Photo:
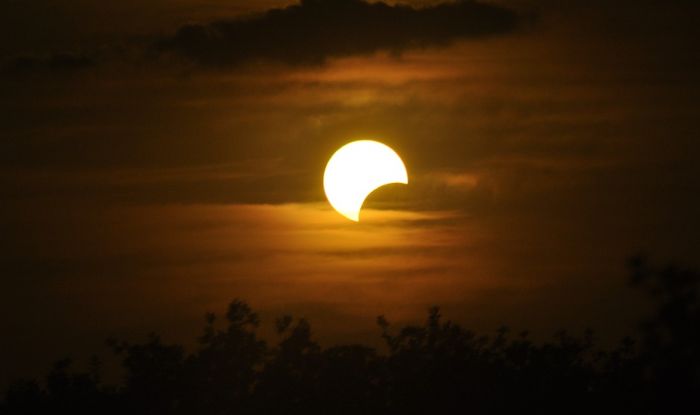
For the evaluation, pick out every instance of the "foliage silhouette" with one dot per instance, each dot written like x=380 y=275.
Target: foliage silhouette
x=431 y=368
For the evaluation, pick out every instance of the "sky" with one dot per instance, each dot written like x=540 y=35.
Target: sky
x=159 y=159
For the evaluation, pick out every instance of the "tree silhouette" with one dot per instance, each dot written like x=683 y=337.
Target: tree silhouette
x=671 y=337
x=436 y=367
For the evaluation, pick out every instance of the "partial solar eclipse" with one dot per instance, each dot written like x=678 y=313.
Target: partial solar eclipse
x=356 y=170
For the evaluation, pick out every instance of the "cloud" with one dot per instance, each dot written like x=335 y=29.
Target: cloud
x=315 y=30
x=57 y=64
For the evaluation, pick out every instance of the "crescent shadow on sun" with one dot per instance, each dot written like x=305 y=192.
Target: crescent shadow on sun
x=377 y=189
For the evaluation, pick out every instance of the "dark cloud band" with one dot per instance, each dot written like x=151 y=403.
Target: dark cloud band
x=64 y=63
x=315 y=30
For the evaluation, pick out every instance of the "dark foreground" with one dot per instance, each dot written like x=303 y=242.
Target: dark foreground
x=438 y=367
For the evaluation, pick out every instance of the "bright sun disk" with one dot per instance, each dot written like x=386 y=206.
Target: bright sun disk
x=356 y=170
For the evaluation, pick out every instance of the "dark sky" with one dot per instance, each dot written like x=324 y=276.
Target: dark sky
x=159 y=159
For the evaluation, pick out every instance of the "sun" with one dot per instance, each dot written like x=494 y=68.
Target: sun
x=356 y=170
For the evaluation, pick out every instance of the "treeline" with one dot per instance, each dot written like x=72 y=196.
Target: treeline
x=437 y=367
